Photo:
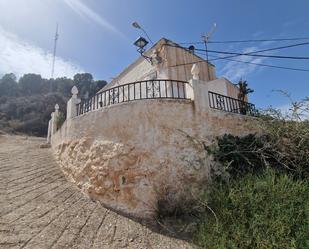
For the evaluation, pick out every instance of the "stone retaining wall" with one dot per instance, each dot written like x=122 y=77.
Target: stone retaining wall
x=131 y=155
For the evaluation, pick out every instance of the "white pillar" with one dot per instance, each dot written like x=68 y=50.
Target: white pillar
x=200 y=90
x=71 y=105
x=49 y=130
x=54 y=118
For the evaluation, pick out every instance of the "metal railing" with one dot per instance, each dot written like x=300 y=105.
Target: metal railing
x=147 y=89
x=228 y=104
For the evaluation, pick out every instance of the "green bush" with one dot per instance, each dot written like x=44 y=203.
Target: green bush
x=239 y=156
x=283 y=146
x=60 y=120
x=265 y=211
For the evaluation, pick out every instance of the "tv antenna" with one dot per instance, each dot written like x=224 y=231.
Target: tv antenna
x=54 y=53
x=206 y=39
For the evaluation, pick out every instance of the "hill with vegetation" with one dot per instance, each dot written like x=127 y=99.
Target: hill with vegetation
x=26 y=103
x=257 y=196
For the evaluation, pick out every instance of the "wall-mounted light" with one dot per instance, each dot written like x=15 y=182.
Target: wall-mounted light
x=141 y=43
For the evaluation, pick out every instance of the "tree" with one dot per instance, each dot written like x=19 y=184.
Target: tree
x=63 y=85
x=30 y=84
x=26 y=106
x=243 y=90
x=99 y=84
x=83 y=81
x=8 y=85
x=242 y=95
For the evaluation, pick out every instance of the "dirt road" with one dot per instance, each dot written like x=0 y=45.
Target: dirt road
x=39 y=209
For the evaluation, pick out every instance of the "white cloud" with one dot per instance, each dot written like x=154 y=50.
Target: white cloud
x=20 y=57
x=235 y=70
x=85 y=12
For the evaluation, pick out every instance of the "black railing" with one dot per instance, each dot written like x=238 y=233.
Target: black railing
x=148 y=89
x=228 y=104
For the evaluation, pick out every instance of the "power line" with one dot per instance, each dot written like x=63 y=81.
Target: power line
x=267 y=65
x=256 y=55
x=244 y=41
x=265 y=50
x=247 y=62
x=258 y=64
x=250 y=53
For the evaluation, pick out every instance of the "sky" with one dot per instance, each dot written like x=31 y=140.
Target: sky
x=97 y=36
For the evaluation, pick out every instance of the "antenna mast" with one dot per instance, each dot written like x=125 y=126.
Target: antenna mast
x=206 y=39
x=54 y=53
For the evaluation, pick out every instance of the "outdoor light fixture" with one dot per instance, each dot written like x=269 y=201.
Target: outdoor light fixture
x=136 y=25
x=141 y=43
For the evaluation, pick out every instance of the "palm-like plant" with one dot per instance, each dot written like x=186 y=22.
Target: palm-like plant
x=242 y=95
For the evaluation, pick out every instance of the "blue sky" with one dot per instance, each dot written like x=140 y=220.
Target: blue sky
x=96 y=36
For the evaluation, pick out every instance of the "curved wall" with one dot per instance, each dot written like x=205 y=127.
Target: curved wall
x=129 y=156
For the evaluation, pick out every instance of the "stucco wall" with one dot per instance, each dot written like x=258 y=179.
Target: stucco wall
x=129 y=155
x=176 y=64
x=224 y=87
x=140 y=70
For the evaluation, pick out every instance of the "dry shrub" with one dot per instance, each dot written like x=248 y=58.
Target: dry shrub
x=288 y=134
x=283 y=146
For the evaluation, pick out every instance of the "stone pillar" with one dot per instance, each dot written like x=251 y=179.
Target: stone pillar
x=71 y=105
x=49 y=130
x=54 y=118
x=200 y=90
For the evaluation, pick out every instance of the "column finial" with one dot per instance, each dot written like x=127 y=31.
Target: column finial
x=74 y=91
x=195 y=71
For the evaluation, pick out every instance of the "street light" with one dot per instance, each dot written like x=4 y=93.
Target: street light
x=137 y=26
x=141 y=43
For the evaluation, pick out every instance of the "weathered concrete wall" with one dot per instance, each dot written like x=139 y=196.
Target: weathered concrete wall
x=224 y=87
x=176 y=64
x=127 y=155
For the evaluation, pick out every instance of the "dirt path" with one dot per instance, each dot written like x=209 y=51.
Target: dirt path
x=39 y=209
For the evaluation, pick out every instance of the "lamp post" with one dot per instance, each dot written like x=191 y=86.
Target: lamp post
x=137 y=26
x=141 y=43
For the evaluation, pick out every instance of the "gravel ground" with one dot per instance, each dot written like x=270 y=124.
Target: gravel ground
x=39 y=209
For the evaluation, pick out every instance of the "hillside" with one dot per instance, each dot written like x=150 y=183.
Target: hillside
x=26 y=104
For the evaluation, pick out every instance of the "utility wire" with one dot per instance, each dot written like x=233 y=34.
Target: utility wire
x=265 y=50
x=247 y=62
x=250 y=53
x=257 y=55
x=266 y=65
x=244 y=41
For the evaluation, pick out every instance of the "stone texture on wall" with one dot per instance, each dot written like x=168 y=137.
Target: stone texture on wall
x=126 y=155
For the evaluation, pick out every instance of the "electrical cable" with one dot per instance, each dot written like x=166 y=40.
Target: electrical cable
x=252 y=40
x=253 y=52
x=247 y=62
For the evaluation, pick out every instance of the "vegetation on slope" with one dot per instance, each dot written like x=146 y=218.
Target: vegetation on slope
x=268 y=210
x=26 y=104
x=259 y=192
